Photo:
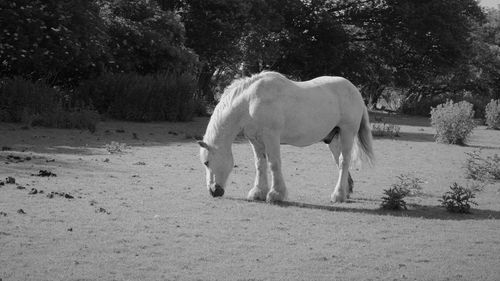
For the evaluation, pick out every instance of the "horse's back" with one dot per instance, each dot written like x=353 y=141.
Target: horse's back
x=304 y=112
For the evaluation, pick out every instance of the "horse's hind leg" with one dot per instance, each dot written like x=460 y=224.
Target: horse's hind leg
x=278 y=189
x=335 y=148
x=344 y=160
x=261 y=188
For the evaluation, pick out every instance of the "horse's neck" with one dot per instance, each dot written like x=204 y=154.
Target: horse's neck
x=225 y=128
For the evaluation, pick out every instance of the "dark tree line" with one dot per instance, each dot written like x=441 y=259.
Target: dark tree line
x=427 y=49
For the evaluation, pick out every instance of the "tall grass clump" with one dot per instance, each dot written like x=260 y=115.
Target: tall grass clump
x=129 y=96
x=453 y=122
x=35 y=103
x=492 y=114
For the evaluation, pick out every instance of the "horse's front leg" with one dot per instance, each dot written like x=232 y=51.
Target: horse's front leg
x=261 y=188
x=278 y=189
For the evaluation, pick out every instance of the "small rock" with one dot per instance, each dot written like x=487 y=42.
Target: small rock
x=10 y=180
x=44 y=173
x=21 y=211
x=70 y=229
x=13 y=157
x=33 y=191
x=102 y=210
x=3 y=214
x=20 y=187
x=50 y=195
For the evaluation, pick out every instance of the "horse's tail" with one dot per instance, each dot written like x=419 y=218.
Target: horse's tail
x=365 y=139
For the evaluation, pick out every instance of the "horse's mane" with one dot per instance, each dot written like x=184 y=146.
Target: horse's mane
x=231 y=92
x=237 y=87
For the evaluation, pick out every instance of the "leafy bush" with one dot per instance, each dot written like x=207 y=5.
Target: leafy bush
x=458 y=200
x=480 y=168
x=382 y=130
x=411 y=184
x=492 y=114
x=129 y=96
x=394 y=199
x=453 y=122
x=67 y=119
x=116 y=147
x=38 y=104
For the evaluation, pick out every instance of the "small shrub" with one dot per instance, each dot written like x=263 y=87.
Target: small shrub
x=394 y=199
x=480 y=168
x=453 y=122
x=116 y=147
x=411 y=184
x=458 y=200
x=492 y=114
x=382 y=130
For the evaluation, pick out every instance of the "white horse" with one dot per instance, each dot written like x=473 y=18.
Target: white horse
x=272 y=110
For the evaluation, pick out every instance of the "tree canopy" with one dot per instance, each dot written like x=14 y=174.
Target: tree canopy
x=427 y=48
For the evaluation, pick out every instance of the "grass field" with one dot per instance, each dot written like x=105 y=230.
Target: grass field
x=140 y=210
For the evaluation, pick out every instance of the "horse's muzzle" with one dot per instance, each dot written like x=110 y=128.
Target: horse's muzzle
x=218 y=192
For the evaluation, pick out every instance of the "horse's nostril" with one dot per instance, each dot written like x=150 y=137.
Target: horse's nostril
x=218 y=192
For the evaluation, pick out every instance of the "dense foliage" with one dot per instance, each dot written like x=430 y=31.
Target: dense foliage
x=51 y=39
x=145 y=39
x=426 y=50
x=492 y=114
x=39 y=104
x=129 y=96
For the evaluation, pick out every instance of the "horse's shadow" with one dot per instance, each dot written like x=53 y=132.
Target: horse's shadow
x=414 y=210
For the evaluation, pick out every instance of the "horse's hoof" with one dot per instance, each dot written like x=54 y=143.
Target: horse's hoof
x=257 y=194
x=275 y=196
x=338 y=198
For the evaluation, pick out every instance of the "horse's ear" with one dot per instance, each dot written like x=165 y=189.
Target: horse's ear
x=204 y=145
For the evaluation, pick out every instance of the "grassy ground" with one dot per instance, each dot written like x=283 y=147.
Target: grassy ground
x=142 y=212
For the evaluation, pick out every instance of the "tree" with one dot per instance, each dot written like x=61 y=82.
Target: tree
x=145 y=39
x=213 y=28
x=51 y=39
x=374 y=43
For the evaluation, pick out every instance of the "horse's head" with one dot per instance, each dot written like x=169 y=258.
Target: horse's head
x=218 y=164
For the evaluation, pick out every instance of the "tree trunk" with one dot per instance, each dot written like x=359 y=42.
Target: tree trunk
x=205 y=83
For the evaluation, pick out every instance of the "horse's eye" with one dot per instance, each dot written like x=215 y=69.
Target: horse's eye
x=206 y=163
